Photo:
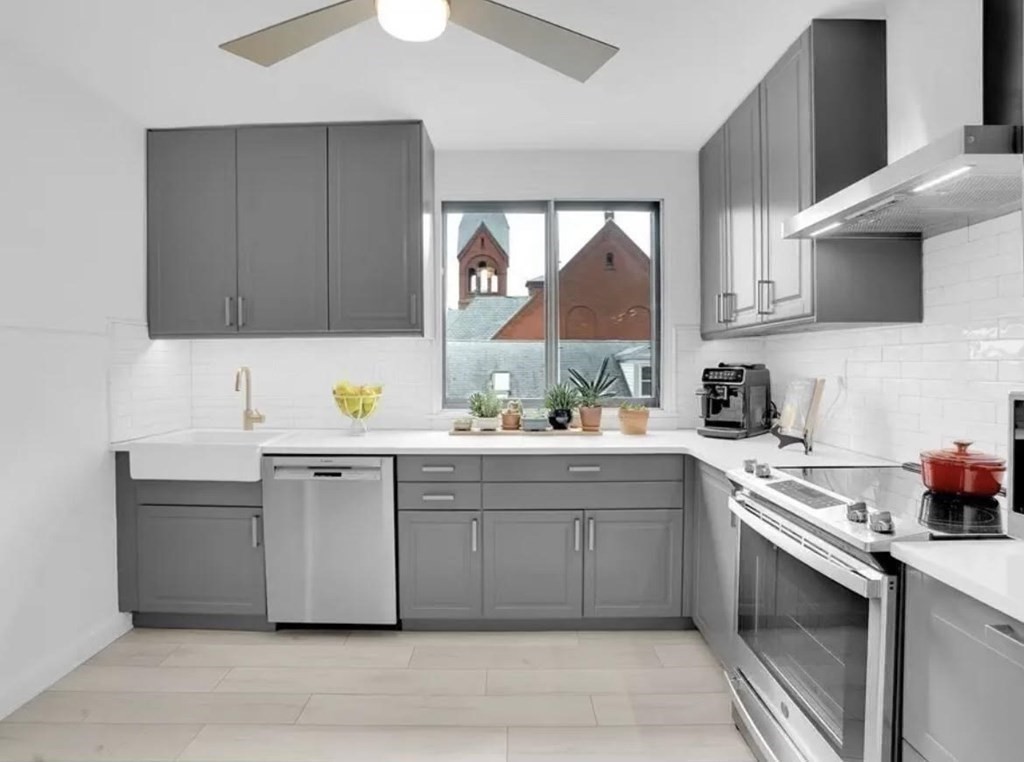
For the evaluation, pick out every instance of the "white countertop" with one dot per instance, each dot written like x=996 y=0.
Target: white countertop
x=992 y=571
x=722 y=454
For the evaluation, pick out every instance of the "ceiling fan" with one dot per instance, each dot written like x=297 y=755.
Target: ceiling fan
x=556 y=47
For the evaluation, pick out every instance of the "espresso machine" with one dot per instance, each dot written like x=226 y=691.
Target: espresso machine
x=735 y=401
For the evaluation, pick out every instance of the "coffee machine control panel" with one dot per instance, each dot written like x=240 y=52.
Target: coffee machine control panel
x=723 y=375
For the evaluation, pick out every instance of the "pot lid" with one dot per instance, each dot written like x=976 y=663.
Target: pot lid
x=959 y=455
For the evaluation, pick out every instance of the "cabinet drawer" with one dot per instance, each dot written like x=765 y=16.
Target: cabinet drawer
x=621 y=495
x=439 y=496
x=582 y=468
x=438 y=468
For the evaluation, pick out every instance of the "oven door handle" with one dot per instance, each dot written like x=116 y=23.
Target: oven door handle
x=864 y=581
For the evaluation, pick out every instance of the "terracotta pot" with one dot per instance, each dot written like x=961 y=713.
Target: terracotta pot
x=959 y=472
x=633 y=421
x=590 y=417
x=510 y=421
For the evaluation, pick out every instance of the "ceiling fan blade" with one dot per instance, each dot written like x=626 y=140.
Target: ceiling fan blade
x=278 y=42
x=564 y=50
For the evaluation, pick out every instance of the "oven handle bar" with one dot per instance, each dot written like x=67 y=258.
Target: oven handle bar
x=864 y=581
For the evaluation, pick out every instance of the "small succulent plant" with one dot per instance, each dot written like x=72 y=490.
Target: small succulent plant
x=485 y=405
x=562 y=396
x=593 y=390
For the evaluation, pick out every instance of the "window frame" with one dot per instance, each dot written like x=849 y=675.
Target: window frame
x=552 y=340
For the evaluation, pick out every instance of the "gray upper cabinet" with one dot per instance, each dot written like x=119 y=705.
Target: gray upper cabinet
x=289 y=230
x=816 y=124
x=440 y=568
x=712 y=232
x=192 y=247
x=963 y=676
x=633 y=563
x=533 y=564
x=200 y=560
x=743 y=212
x=376 y=212
x=714 y=586
x=282 y=230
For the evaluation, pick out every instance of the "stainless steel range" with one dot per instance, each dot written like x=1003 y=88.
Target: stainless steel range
x=819 y=605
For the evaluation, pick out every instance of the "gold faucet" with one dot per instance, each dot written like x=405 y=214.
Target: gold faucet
x=249 y=415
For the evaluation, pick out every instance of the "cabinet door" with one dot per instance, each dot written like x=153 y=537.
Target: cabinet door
x=282 y=230
x=533 y=564
x=439 y=564
x=715 y=563
x=633 y=563
x=375 y=228
x=192 y=252
x=786 y=289
x=201 y=560
x=743 y=183
x=712 y=232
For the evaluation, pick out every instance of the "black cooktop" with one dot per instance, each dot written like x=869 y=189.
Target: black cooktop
x=899 y=489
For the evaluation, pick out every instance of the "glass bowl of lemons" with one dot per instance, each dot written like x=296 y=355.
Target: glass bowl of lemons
x=357 y=402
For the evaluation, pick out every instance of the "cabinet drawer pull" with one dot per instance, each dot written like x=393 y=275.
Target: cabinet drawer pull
x=590 y=534
x=255 y=527
x=577 y=528
x=438 y=498
x=227 y=312
x=1004 y=640
x=584 y=469
x=473 y=540
x=438 y=469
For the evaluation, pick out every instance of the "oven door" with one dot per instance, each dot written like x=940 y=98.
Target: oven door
x=815 y=639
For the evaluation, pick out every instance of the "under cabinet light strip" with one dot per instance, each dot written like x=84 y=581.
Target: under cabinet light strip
x=939 y=180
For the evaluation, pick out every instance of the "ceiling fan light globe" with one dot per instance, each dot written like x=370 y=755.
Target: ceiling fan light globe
x=413 y=20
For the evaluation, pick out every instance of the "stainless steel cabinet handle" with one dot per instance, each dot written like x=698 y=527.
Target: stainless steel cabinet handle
x=438 y=498
x=728 y=307
x=475 y=525
x=227 y=312
x=255 y=526
x=577 y=528
x=241 y=311
x=590 y=534
x=438 y=469
x=718 y=309
x=584 y=469
x=1003 y=639
x=765 y=297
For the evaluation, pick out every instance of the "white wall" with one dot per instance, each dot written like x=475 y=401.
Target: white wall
x=293 y=376
x=898 y=390
x=72 y=255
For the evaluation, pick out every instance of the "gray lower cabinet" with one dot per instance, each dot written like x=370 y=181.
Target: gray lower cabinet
x=963 y=676
x=200 y=560
x=440 y=571
x=191 y=233
x=376 y=227
x=533 y=564
x=633 y=563
x=282 y=230
x=715 y=548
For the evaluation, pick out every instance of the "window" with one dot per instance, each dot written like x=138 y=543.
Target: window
x=534 y=289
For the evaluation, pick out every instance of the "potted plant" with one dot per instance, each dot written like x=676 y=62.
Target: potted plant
x=485 y=407
x=561 y=400
x=463 y=423
x=633 y=418
x=592 y=391
x=512 y=415
x=535 y=420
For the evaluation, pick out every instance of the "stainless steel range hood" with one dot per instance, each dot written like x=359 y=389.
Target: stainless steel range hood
x=971 y=175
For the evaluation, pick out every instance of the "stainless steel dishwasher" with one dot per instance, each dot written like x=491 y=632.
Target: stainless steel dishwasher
x=329 y=530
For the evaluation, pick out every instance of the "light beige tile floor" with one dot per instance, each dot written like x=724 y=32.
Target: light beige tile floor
x=397 y=697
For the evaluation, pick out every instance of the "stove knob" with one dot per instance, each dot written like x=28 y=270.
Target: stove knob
x=750 y=466
x=763 y=470
x=857 y=513
x=882 y=523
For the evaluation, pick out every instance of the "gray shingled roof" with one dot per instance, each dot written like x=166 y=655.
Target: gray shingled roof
x=496 y=223
x=483 y=317
x=470 y=364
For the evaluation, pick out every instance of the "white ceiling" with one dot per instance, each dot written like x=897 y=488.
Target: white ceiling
x=684 y=65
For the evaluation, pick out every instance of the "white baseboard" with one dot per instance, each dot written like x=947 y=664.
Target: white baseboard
x=36 y=678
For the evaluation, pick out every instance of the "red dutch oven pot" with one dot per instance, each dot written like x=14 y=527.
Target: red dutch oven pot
x=959 y=472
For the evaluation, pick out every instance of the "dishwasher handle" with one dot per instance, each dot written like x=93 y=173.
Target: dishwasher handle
x=327 y=473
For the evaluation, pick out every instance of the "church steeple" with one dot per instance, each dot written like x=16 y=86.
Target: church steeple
x=483 y=257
